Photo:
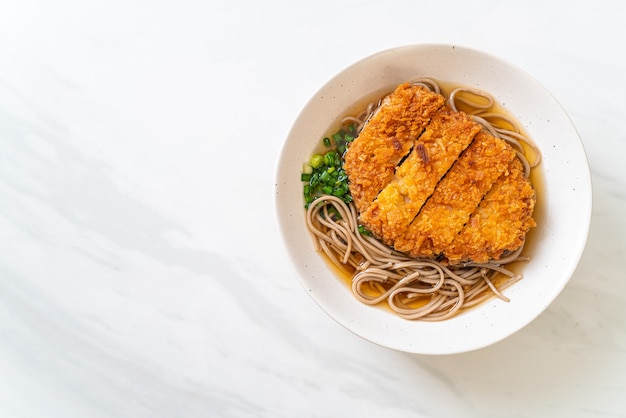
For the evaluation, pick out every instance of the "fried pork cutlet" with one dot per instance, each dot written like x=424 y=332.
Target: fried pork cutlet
x=456 y=196
x=436 y=150
x=427 y=181
x=386 y=139
x=500 y=222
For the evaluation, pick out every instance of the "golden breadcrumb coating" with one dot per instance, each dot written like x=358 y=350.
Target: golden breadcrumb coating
x=427 y=181
x=456 y=196
x=445 y=137
x=500 y=222
x=386 y=139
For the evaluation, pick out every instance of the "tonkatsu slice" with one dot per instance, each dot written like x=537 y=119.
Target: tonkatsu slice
x=386 y=139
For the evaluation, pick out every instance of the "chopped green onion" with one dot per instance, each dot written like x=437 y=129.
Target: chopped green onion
x=329 y=158
x=315 y=179
x=364 y=231
x=317 y=160
x=324 y=174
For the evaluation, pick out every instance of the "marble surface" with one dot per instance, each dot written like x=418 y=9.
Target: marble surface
x=141 y=269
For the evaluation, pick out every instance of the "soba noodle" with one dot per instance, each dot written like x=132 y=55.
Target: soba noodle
x=416 y=288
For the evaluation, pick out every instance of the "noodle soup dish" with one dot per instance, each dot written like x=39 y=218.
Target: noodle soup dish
x=423 y=206
x=417 y=194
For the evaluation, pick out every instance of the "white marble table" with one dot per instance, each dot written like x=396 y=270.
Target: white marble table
x=141 y=269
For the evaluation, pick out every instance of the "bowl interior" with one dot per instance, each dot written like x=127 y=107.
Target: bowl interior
x=563 y=208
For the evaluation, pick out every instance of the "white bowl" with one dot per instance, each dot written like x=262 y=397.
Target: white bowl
x=563 y=210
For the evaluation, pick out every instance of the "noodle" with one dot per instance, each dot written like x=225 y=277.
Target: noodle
x=416 y=288
x=413 y=289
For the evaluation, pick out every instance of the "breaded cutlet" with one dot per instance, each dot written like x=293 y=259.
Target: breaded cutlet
x=428 y=182
x=436 y=150
x=386 y=139
x=500 y=222
x=456 y=196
